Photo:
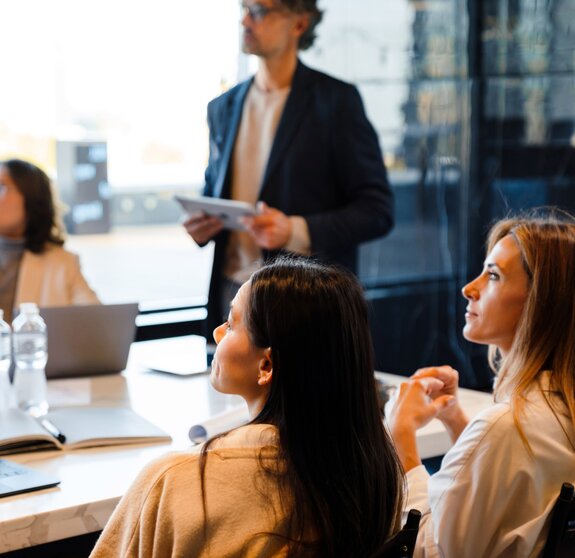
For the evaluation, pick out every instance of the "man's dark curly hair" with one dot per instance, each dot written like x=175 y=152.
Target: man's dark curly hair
x=315 y=15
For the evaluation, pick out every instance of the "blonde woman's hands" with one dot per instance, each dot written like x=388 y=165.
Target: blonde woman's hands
x=448 y=380
x=412 y=409
x=452 y=415
x=417 y=402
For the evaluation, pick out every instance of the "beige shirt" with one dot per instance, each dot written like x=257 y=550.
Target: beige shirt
x=161 y=516
x=260 y=118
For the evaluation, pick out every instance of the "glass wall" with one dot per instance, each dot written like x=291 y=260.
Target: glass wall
x=473 y=104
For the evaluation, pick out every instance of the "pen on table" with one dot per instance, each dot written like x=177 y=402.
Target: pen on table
x=51 y=429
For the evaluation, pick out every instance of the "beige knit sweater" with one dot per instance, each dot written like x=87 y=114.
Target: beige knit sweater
x=161 y=515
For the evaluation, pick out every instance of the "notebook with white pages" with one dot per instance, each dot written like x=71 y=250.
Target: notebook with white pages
x=69 y=428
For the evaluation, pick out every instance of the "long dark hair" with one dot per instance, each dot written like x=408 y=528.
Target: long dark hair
x=42 y=221
x=342 y=473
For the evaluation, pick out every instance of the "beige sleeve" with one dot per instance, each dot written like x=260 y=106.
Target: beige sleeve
x=80 y=291
x=138 y=528
x=120 y=537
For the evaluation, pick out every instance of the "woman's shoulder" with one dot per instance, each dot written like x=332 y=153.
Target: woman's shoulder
x=247 y=440
x=497 y=424
x=490 y=426
x=54 y=252
x=172 y=460
x=248 y=445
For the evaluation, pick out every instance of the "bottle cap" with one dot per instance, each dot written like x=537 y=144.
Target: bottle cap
x=28 y=307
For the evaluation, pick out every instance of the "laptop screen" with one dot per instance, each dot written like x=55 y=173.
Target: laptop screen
x=88 y=340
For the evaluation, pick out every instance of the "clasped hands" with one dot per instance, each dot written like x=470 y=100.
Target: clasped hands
x=271 y=229
x=430 y=393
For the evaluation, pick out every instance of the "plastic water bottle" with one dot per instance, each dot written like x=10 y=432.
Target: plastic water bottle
x=30 y=342
x=6 y=393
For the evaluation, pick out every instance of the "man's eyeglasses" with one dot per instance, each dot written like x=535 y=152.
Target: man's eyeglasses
x=258 y=12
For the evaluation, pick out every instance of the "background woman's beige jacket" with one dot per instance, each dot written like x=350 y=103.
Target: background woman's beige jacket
x=52 y=278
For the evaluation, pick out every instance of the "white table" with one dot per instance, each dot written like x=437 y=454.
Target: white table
x=93 y=480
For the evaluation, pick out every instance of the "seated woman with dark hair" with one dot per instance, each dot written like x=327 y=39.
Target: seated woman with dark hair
x=497 y=485
x=314 y=473
x=34 y=267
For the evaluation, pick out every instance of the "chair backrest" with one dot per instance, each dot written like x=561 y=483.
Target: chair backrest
x=402 y=544
x=561 y=539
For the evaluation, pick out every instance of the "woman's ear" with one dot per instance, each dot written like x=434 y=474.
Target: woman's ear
x=265 y=370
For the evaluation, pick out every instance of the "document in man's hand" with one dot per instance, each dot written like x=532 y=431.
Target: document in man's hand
x=75 y=427
x=228 y=211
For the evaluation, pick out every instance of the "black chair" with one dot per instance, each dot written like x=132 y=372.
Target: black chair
x=402 y=544
x=561 y=539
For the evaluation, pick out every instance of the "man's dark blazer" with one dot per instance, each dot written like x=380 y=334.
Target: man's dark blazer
x=325 y=165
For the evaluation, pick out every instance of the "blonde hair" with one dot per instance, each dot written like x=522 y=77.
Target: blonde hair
x=545 y=335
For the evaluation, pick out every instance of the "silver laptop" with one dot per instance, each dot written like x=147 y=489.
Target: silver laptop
x=89 y=340
x=15 y=479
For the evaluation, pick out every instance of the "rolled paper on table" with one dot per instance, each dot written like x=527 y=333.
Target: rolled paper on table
x=238 y=416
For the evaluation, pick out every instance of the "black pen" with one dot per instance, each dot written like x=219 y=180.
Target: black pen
x=51 y=429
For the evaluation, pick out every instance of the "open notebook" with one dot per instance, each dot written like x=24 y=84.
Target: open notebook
x=75 y=427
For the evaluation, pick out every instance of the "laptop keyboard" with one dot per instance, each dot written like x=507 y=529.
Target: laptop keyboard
x=8 y=469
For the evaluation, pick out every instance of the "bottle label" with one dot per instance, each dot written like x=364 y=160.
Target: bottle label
x=30 y=350
x=5 y=347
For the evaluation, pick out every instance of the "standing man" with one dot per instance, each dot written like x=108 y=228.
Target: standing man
x=298 y=143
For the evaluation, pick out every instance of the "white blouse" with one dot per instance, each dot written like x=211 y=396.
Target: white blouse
x=491 y=498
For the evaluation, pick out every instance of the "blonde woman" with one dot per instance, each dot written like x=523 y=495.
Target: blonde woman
x=497 y=485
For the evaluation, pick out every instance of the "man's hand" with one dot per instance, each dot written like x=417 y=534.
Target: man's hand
x=271 y=229
x=202 y=228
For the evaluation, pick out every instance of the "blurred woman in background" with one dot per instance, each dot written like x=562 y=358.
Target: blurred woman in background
x=34 y=266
